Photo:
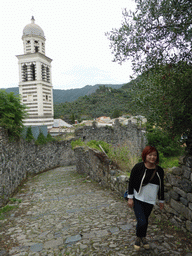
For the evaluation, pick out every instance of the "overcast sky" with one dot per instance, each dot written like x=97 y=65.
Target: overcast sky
x=75 y=40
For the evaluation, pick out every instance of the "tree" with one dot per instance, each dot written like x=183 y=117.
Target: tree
x=158 y=32
x=11 y=113
x=157 y=38
x=164 y=96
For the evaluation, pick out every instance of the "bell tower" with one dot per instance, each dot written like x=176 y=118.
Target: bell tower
x=35 y=83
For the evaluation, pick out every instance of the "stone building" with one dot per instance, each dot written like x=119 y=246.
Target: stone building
x=35 y=82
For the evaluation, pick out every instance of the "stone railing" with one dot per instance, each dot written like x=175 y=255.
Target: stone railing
x=18 y=159
x=178 y=184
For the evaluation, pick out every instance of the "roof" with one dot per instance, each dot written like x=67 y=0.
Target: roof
x=33 y=29
x=60 y=123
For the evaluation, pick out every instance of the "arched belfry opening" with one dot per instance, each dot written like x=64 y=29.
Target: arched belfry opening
x=35 y=83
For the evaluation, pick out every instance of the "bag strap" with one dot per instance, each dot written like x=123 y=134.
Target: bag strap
x=152 y=176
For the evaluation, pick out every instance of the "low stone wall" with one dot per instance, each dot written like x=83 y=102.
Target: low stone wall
x=130 y=135
x=99 y=168
x=178 y=194
x=18 y=159
x=178 y=184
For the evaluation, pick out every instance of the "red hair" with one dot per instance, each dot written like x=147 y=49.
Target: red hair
x=147 y=150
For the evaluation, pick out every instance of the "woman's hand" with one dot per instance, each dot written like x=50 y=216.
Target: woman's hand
x=130 y=202
x=161 y=205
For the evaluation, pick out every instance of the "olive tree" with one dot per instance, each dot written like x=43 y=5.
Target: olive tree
x=157 y=38
x=157 y=32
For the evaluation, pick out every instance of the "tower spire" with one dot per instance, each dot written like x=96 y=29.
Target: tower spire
x=32 y=19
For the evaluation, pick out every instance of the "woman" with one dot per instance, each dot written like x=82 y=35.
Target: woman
x=146 y=182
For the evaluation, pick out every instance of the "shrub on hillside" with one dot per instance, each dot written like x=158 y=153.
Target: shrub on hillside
x=163 y=142
x=41 y=139
x=29 y=135
x=12 y=112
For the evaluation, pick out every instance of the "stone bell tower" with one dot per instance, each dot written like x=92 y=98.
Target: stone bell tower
x=35 y=85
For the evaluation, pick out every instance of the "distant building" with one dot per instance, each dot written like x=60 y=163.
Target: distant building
x=35 y=82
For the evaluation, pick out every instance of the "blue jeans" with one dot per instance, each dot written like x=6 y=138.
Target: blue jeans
x=142 y=211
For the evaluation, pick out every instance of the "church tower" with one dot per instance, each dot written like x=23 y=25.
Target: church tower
x=35 y=85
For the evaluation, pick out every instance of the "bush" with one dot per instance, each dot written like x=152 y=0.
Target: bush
x=95 y=144
x=163 y=142
x=41 y=139
x=29 y=135
x=49 y=138
x=77 y=143
x=12 y=112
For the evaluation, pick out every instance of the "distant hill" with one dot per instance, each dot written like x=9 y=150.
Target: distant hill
x=70 y=95
x=104 y=101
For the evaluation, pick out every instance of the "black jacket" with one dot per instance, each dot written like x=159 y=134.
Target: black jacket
x=137 y=176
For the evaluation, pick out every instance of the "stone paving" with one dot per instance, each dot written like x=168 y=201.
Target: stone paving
x=64 y=213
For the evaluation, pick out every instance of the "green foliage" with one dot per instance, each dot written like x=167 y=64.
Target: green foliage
x=96 y=144
x=41 y=139
x=77 y=143
x=164 y=96
x=29 y=135
x=158 y=31
x=11 y=114
x=49 y=138
x=116 y=113
x=6 y=209
x=164 y=143
x=15 y=200
x=169 y=162
x=104 y=102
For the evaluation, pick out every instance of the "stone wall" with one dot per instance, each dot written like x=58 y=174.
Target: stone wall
x=118 y=134
x=178 y=194
x=178 y=184
x=18 y=159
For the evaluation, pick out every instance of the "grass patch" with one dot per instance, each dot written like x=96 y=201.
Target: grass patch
x=6 y=209
x=170 y=162
x=15 y=200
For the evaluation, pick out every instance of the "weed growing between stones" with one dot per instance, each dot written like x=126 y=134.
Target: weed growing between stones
x=6 y=209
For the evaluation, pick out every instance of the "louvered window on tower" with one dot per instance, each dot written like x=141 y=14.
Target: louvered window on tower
x=24 y=73
x=33 y=72
x=43 y=72
x=48 y=74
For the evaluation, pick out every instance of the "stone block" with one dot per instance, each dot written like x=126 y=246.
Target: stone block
x=180 y=192
x=189 y=225
x=172 y=179
x=167 y=197
x=185 y=185
x=167 y=187
x=181 y=209
x=184 y=201
x=112 y=172
x=188 y=161
x=170 y=209
x=122 y=179
x=176 y=205
x=190 y=206
x=187 y=174
x=186 y=168
x=176 y=171
x=189 y=197
x=174 y=195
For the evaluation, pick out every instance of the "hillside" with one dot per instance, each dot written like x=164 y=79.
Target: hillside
x=103 y=102
x=61 y=96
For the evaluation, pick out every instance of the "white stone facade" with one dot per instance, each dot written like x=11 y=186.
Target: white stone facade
x=35 y=81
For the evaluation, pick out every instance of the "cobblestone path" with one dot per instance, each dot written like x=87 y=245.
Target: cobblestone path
x=63 y=213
